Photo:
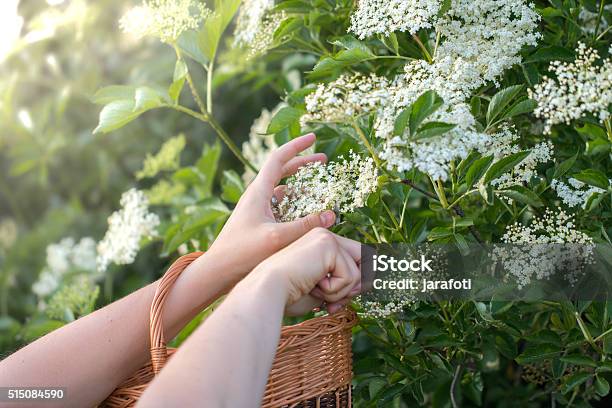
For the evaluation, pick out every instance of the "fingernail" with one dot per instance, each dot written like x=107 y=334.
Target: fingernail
x=327 y=218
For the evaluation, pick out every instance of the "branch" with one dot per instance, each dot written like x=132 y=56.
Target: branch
x=454 y=384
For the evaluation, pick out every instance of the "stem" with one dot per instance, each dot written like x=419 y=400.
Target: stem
x=423 y=48
x=230 y=143
x=209 y=78
x=602 y=3
x=366 y=143
x=192 y=88
x=454 y=384
x=608 y=129
x=219 y=130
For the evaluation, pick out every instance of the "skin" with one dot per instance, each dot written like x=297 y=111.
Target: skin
x=92 y=355
x=217 y=366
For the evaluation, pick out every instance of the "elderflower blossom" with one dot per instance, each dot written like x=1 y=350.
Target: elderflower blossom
x=256 y=24
x=387 y=16
x=346 y=97
x=588 y=20
x=548 y=246
x=257 y=149
x=126 y=228
x=166 y=159
x=581 y=87
x=164 y=19
x=343 y=186
x=575 y=192
x=74 y=300
x=526 y=169
x=62 y=258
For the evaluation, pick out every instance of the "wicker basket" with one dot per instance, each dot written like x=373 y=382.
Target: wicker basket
x=312 y=367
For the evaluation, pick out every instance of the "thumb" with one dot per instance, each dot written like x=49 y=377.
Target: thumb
x=293 y=230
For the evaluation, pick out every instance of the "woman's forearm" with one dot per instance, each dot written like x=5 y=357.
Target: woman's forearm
x=89 y=357
x=226 y=362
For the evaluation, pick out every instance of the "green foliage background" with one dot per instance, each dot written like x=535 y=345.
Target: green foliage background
x=59 y=179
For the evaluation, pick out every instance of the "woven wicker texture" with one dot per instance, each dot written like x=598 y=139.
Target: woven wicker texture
x=312 y=367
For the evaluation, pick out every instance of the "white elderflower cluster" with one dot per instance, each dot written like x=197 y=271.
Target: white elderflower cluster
x=580 y=87
x=126 y=228
x=575 y=192
x=387 y=16
x=488 y=33
x=256 y=24
x=164 y=19
x=63 y=258
x=346 y=97
x=588 y=20
x=479 y=40
x=342 y=186
x=548 y=246
x=260 y=144
x=526 y=169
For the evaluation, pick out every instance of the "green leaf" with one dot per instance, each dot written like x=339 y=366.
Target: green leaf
x=147 y=98
x=550 y=53
x=593 y=177
x=283 y=119
x=113 y=93
x=432 y=129
x=573 y=381
x=522 y=195
x=231 y=186
x=477 y=169
x=390 y=393
x=178 y=80
x=214 y=26
x=425 y=105
x=538 y=352
x=354 y=55
x=579 y=359
x=116 y=115
x=210 y=210
x=401 y=122
x=520 y=108
x=564 y=166
x=501 y=100
x=602 y=387
x=207 y=165
x=504 y=165
x=188 y=44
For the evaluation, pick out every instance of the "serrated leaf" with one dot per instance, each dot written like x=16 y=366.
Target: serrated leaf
x=538 y=352
x=477 y=169
x=551 y=53
x=425 y=105
x=504 y=165
x=573 y=381
x=210 y=210
x=146 y=98
x=432 y=129
x=113 y=93
x=564 y=166
x=593 y=177
x=178 y=80
x=522 y=195
x=579 y=359
x=283 y=119
x=501 y=100
x=401 y=122
x=520 y=108
x=231 y=186
x=116 y=115
x=188 y=44
x=602 y=387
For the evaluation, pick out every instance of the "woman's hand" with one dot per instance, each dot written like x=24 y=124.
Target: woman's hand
x=319 y=263
x=252 y=234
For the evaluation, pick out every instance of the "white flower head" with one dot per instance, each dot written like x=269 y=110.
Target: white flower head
x=387 y=16
x=256 y=24
x=574 y=193
x=164 y=19
x=343 y=186
x=126 y=228
x=581 y=87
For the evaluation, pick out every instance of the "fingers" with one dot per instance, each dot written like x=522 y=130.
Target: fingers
x=352 y=247
x=300 y=161
x=273 y=169
x=292 y=230
x=344 y=277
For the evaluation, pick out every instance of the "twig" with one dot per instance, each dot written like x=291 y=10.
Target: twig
x=454 y=384
x=456 y=208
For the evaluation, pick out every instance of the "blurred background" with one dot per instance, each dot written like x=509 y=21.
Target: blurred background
x=57 y=179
